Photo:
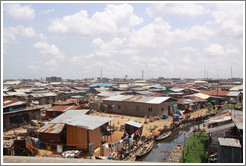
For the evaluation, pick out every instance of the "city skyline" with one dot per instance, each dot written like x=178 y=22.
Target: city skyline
x=90 y=40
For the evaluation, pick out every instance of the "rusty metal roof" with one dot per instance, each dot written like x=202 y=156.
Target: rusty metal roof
x=52 y=128
x=231 y=142
x=13 y=102
x=221 y=127
x=237 y=117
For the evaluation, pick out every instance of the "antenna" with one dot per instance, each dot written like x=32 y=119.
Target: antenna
x=101 y=74
x=231 y=71
x=142 y=74
x=207 y=74
x=205 y=71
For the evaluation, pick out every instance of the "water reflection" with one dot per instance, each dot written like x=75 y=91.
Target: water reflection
x=162 y=149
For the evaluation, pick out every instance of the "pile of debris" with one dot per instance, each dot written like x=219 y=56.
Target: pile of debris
x=8 y=147
x=71 y=154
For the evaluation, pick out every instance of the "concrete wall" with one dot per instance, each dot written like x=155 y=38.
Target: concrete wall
x=139 y=109
x=20 y=118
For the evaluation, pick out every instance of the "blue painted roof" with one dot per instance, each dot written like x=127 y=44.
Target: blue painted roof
x=101 y=84
x=158 y=87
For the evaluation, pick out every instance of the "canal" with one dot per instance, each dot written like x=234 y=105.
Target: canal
x=163 y=148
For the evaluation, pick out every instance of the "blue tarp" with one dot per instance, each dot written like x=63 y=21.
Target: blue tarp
x=101 y=84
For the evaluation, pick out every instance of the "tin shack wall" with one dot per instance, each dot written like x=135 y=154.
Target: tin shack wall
x=77 y=137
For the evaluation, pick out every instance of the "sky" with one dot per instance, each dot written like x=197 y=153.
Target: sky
x=79 y=40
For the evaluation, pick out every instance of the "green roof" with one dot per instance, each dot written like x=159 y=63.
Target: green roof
x=168 y=91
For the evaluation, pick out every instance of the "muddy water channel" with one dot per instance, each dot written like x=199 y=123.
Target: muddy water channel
x=163 y=148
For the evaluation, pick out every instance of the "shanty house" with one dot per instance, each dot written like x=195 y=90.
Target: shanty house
x=52 y=133
x=57 y=110
x=138 y=105
x=235 y=96
x=230 y=151
x=80 y=129
x=15 y=114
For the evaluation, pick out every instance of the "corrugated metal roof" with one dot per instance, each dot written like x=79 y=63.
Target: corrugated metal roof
x=13 y=102
x=237 y=88
x=137 y=99
x=158 y=100
x=231 y=142
x=233 y=94
x=158 y=87
x=63 y=108
x=135 y=124
x=52 y=128
x=118 y=98
x=200 y=95
x=108 y=93
x=16 y=94
x=221 y=127
x=177 y=89
x=237 y=117
x=78 y=118
x=4 y=94
x=101 y=84
x=49 y=94
x=215 y=93
x=221 y=118
x=37 y=95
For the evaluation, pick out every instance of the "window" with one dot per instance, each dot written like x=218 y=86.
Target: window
x=118 y=107
x=162 y=109
x=150 y=109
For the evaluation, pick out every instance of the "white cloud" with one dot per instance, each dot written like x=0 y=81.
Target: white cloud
x=10 y=33
x=215 y=49
x=18 y=11
x=49 y=49
x=114 y=19
x=229 y=18
x=117 y=46
x=187 y=49
x=33 y=68
x=150 y=61
x=185 y=9
x=48 y=11
x=220 y=51
x=157 y=34
x=194 y=33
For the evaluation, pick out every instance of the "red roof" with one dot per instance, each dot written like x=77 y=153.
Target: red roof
x=13 y=102
x=63 y=108
x=215 y=93
x=67 y=102
x=51 y=128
